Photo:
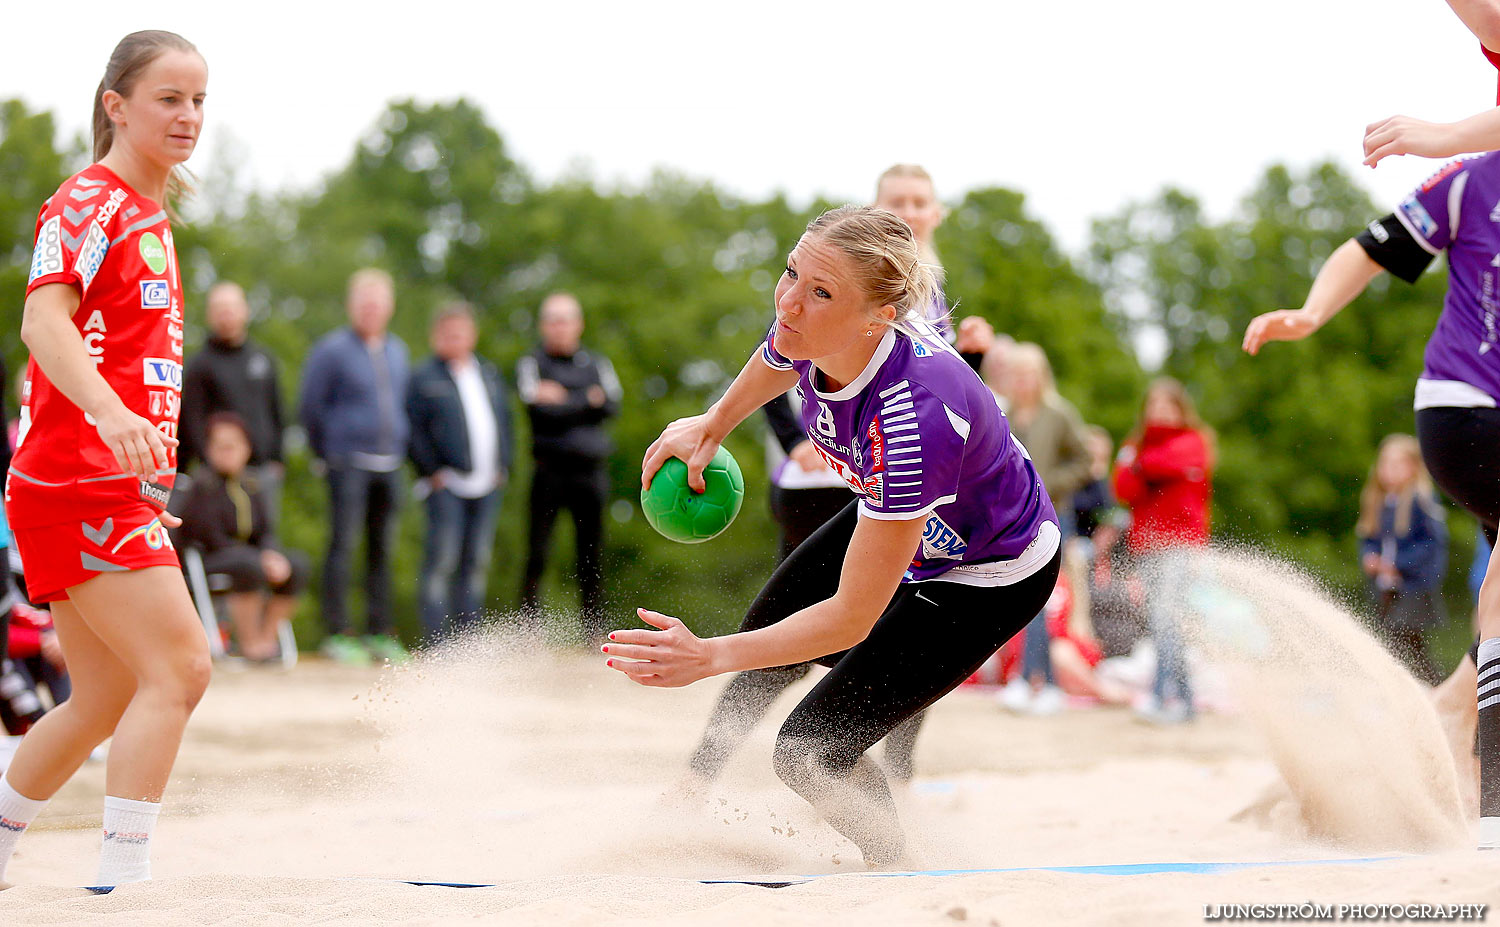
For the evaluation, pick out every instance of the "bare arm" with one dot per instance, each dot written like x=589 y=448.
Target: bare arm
x=57 y=347
x=1342 y=277
x=695 y=439
x=879 y=553
x=1400 y=135
x=1481 y=17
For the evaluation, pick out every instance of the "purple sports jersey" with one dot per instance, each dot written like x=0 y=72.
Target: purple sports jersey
x=917 y=435
x=1458 y=210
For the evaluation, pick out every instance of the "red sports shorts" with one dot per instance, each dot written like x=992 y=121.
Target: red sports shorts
x=58 y=557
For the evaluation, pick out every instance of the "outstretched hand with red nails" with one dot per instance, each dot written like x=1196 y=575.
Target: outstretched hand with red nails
x=670 y=657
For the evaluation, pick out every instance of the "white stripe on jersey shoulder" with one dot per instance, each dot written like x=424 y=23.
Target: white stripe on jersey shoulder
x=1456 y=202
x=923 y=330
x=959 y=425
x=894 y=388
x=765 y=355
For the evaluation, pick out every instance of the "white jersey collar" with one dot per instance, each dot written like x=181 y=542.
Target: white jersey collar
x=877 y=360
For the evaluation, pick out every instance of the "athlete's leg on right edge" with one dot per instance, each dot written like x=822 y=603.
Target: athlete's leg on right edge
x=1489 y=705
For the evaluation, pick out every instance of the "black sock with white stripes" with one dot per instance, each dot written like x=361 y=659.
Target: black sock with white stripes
x=1489 y=743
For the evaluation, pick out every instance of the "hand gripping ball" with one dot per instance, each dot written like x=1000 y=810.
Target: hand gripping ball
x=675 y=510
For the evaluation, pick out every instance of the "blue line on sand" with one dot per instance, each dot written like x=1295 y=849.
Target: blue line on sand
x=1120 y=869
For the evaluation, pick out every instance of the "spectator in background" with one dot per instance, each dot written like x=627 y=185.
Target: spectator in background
x=1093 y=501
x=229 y=521
x=352 y=405
x=1403 y=538
x=908 y=191
x=461 y=445
x=1050 y=429
x=569 y=394
x=231 y=373
x=1164 y=475
x=994 y=364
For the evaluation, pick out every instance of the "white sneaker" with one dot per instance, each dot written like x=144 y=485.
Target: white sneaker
x=1016 y=696
x=1173 y=712
x=1489 y=833
x=1049 y=700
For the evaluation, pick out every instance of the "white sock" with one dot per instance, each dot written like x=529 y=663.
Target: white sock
x=126 y=854
x=16 y=814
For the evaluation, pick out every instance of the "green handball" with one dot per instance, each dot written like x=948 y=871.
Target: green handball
x=675 y=510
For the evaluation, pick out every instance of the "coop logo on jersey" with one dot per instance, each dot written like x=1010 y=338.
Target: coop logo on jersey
x=160 y=371
x=155 y=294
x=48 y=256
x=1420 y=219
x=153 y=252
x=91 y=255
x=940 y=542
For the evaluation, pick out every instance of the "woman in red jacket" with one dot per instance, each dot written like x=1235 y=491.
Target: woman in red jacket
x=1163 y=474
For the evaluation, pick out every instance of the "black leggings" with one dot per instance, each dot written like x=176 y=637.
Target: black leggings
x=749 y=695
x=931 y=637
x=1461 y=448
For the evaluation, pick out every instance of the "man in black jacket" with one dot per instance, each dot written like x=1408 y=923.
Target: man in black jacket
x=569 y=393
x=234 y=374
x=461 y=444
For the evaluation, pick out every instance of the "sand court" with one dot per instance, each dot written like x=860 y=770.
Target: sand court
x=306 y=796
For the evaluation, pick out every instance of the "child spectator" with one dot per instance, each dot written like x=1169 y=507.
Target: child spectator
x=1164 y=475
x=1404 y=550
x=231 y=525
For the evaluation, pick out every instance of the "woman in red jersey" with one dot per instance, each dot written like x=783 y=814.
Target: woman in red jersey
x=87 y=490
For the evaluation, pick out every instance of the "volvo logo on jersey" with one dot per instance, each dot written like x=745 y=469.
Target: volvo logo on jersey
x=940 y=542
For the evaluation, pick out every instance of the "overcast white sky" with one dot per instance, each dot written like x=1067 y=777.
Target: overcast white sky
x=1082 y=105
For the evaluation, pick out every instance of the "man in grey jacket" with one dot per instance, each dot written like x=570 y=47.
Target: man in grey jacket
x=353 y=407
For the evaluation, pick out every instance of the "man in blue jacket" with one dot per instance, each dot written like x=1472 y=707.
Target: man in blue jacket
x=461 y=445
x=352 y=405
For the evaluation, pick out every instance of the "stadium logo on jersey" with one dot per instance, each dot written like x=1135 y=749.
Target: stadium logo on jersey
x=155 y=294
x=825 y=420
x=91 y=255
x=48 y=256
x=1420 y=219
x=153 y=252
x=940 y=542
x=160 y=371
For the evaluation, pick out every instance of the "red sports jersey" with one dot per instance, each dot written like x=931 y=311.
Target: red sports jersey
x=114 y=246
